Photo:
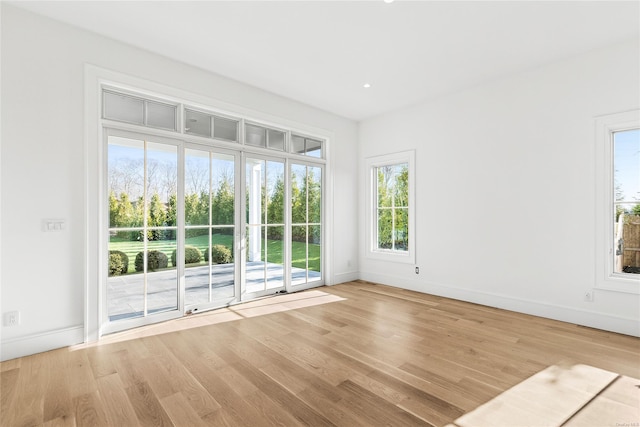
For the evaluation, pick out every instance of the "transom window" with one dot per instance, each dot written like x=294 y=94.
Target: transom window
x=136 y=109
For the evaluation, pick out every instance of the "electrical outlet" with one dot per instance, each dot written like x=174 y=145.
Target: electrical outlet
x=417 y=270
x=12 y=318
x=588 y=296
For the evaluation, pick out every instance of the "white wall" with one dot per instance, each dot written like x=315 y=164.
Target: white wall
x=506 y=190
x=42 y=169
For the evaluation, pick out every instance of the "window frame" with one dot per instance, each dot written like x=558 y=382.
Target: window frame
x=606 y=276
x=371 y=250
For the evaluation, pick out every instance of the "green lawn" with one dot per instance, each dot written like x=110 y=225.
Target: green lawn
x=274 y=249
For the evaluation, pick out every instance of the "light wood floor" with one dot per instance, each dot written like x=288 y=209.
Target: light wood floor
x=352 y=354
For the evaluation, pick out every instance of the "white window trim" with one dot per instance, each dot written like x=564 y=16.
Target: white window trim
x=606 y=277
x=371 y=164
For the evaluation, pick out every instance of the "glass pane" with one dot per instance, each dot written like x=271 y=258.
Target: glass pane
x=126 y=182
x=162 y=277
x=385 y=186
x=222 y=263
x=197 y=288
x=275 y=193
x=298 y=254
x=297 y=144
x=275 y=256
x=225 y=129
x=223 y=191
x=255 y=268
x=161 y=115
x=385 y=228
x=626 y=166
x=626 y=161
x=627 y=238
x=276 y=139
x=197 y=123
x=401 y=185
x=401 y=230
x=314 y=192
x=315 y=251
x=254 y=135
x=123 y=108
x=162 y=184
x=255 y=178
x=314 y=148
x=125 y=285
x=298 y=194
x=196 y=187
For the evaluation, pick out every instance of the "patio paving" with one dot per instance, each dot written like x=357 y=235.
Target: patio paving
x=125 y=293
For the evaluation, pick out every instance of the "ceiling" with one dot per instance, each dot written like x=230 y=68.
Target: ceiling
x=321 y=53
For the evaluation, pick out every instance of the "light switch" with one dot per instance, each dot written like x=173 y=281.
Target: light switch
x=53 y=224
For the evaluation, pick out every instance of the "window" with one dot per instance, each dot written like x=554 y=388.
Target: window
x=618 y=198
x=210 y=126
x=131 y=109
x=259 y=136
x=626 y=201
x=391 y=219
x=306 y=146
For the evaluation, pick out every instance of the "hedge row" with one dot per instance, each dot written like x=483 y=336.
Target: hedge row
x=157 y=260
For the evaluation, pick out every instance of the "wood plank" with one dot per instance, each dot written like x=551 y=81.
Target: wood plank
x=115 y=401
x=180 y=411
x=146 y=405
x=57 y=403
x=89 y=410
x=548 y=398
x=618 y=405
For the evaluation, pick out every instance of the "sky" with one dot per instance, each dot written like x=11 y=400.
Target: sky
x=626 y=163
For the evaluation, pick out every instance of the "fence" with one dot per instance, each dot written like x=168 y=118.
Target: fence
x=628 y=243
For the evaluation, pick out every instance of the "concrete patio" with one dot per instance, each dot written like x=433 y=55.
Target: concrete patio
x=125 y=293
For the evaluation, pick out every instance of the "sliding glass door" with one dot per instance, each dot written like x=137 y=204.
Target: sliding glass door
x=143 y=216
x=265 y=227
x=210 y=218
x=306 y=224
x=192 y=226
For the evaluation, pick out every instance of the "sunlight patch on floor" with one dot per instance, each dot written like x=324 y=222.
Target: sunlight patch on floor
x=260 y=307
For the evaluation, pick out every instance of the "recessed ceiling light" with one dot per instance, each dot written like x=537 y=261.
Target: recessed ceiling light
x=366 y=85
x=388 y=1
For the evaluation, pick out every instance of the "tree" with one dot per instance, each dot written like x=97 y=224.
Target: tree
x=191 y=202
x=113 y=209
x=298 y=210
x=275 y=209
x=222 y=209
x=157 y=217
x=172 y=215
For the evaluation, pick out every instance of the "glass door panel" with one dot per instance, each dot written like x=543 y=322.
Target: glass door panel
x=306 y=224
x=264 y=216
x=209 y=204
x=142 y=185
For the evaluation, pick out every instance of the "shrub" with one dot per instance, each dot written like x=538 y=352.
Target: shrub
x=220 y=254
x=192 y=255
x=118 y=263
x=155 y=260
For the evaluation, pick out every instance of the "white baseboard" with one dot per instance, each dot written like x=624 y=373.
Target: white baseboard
x=345 y=277
x=607 y=322
x=38 y=343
